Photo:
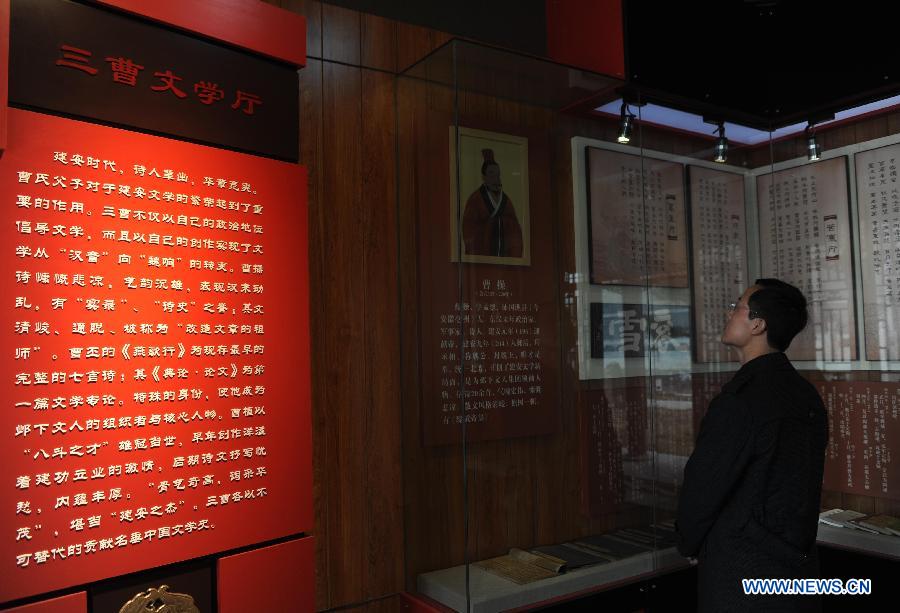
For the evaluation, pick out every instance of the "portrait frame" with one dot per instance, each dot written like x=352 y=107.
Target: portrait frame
x=511 y=154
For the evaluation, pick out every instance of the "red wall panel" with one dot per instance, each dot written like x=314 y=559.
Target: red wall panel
x=587 y=34
x=276 y=578
x=156 y=352
x=72 y=603
x=4 y=69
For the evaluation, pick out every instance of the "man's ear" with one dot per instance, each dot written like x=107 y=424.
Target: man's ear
x=759 y=326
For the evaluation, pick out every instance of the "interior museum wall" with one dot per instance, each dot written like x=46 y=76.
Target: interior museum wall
x=347 y=139
x=373 y=481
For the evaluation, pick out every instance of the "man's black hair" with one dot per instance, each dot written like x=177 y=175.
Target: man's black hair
x=783 y=307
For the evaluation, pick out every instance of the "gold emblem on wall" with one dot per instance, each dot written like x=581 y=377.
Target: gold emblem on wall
x=160 y=600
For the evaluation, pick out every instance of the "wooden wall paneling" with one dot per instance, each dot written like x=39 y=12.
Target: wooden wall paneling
x=503 y=506
x=893 y=122
x=378 y=43
x=561 y=522
x=409 y=364
x=433 y=476
x=389 y=604
x=341 y=34
x=312 y=10
x=857 y=502
x=374 y=480
x=838 y=137
x=523 y=485
x=689 y=147
x=409 y=93
x=378 y=272
x=263 y=30
x=655 y=140
x=758 y=156
x=487 y=517
x=424 y=510
x=536 y=117
x=442 y=100
x=871 y=128
x=344 y=375
x=831 y=499
x=887 y=506
x=438 y=541
x=415 y=42
x=311 y=139
x=447 y=497
x=556 y=462
x=436 y=532
x=438 y=38
x=509 y=113
x=789 y=149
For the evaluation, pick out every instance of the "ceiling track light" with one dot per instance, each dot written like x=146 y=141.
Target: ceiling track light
x=813 y=149
x=720 y=153
x=626 y=123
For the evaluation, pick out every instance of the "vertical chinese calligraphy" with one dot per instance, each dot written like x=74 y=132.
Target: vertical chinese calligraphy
x=864 y=421
x=491 y=357
x=145 y=399
x=805 y=240
x=637 y=221
x=878 y=202
x=719 y=233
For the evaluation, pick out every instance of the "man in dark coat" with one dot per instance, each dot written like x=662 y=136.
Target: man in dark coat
x=750 y=499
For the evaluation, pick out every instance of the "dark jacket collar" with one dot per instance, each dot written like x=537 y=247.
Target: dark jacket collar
x=758 y=366
x=768 y=361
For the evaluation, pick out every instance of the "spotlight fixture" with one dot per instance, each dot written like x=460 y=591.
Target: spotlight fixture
x=721 y=149
x=813 y=149
x=626 y=122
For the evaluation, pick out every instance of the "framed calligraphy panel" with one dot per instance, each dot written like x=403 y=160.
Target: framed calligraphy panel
x=878 y=202
x=636 y=220
x=804 y=237
x=719 y=252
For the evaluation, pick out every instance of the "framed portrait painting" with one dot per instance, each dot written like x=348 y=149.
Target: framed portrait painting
x=489 y=210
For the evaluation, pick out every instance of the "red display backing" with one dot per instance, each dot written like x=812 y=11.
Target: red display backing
x=4 y=69
x=417 y=603
x=588 y=34
x=156 y=354
x=276 y=578
x=71 y=603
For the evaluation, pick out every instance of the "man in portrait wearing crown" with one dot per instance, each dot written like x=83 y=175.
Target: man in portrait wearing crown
x=490 y=226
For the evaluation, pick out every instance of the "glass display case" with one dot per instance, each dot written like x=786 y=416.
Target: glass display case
x=564 y=293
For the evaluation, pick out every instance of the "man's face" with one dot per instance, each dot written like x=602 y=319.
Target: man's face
x=491 y=178
x=738 y=328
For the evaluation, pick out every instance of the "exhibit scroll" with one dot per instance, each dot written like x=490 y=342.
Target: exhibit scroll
x=719 y=250
x=804 y=236
x=878 y=201
x=637 y=220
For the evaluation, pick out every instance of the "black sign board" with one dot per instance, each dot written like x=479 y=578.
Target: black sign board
x=85 y=61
